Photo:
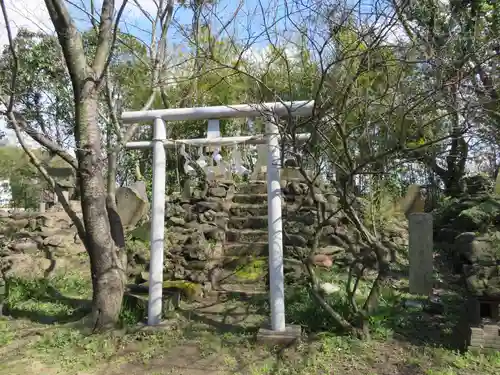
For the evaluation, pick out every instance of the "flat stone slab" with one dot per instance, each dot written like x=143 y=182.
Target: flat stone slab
x=290 y=335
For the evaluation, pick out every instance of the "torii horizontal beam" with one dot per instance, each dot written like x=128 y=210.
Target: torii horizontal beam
x=281 y=109
x=220 y=141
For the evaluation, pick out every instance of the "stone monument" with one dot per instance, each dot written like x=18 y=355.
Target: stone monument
x=421 y=246
x=132 y=203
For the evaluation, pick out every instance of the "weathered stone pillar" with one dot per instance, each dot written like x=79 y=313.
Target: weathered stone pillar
x=260 y=167
x=421 y=253
x=186 y=189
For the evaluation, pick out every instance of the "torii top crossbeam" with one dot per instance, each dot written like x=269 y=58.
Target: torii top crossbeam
x=281 y=109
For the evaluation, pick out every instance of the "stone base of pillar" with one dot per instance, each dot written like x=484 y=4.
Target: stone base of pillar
x=289 y=336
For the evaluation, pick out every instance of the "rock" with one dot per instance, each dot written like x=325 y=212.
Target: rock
x=329 y=288
x=197 y=239
x=318 y=197
x=295 y=240
x=24 y=266
x=10 y=225
x=198 y=265
x=322 y=260
x=193 y=252
x=472 y=219
x=478 y=184
x=215 y=234
x=179 y=221
x=208 y=205
x=132 y=203
x=231 y=191
x=469 y=228
x=218 y=192
x=483 y=280
x=330 y=250
x=447 y=235
x=56 y=241
x=199 y=277
x=475 y=249
x=174 y=210
x=26 y=245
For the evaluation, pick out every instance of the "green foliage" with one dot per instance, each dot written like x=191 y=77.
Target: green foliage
x=43 y=89
x=25 y=182
x=381 y=207
x=134 y=310
x=23 y=178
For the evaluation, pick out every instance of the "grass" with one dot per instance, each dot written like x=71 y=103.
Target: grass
x=405 y=341
x=66 y=350
x=61 y=298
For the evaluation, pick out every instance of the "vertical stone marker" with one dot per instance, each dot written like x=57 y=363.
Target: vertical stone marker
x=421 y=253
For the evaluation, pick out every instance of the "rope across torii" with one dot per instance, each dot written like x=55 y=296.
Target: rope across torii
x=271 y=111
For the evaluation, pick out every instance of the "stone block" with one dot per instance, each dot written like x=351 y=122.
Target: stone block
x=491 y=330
x=289 y=336
x=421 y=253
x=132 y=203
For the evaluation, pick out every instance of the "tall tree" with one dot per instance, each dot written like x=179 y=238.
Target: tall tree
x=458 y=44
x=88 y=61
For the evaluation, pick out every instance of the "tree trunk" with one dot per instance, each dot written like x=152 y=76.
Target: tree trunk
x=106 y=258
x=455 y=167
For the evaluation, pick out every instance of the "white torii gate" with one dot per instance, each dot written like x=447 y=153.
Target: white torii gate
x=272 y=111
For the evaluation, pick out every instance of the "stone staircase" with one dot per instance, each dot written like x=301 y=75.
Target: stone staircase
x=246 y=241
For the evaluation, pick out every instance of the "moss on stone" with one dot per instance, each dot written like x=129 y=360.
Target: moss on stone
x=253 y=270
x=189 y=290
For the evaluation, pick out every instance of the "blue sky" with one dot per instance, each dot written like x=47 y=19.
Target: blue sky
x=248 y=21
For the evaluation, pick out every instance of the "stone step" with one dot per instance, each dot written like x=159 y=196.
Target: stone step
x=250 y=198
x=261 y=222
x=235 y=261
x=242 y=249
x=242 y=277
x=247 y=235
x=245 y=291
x=252 y=187
x=242 y=209
x=261 y=236
x=251 y=222
x=261 y=199
x=245 y=209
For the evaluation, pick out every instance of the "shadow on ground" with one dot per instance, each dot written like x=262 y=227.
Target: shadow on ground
x=46 y=306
